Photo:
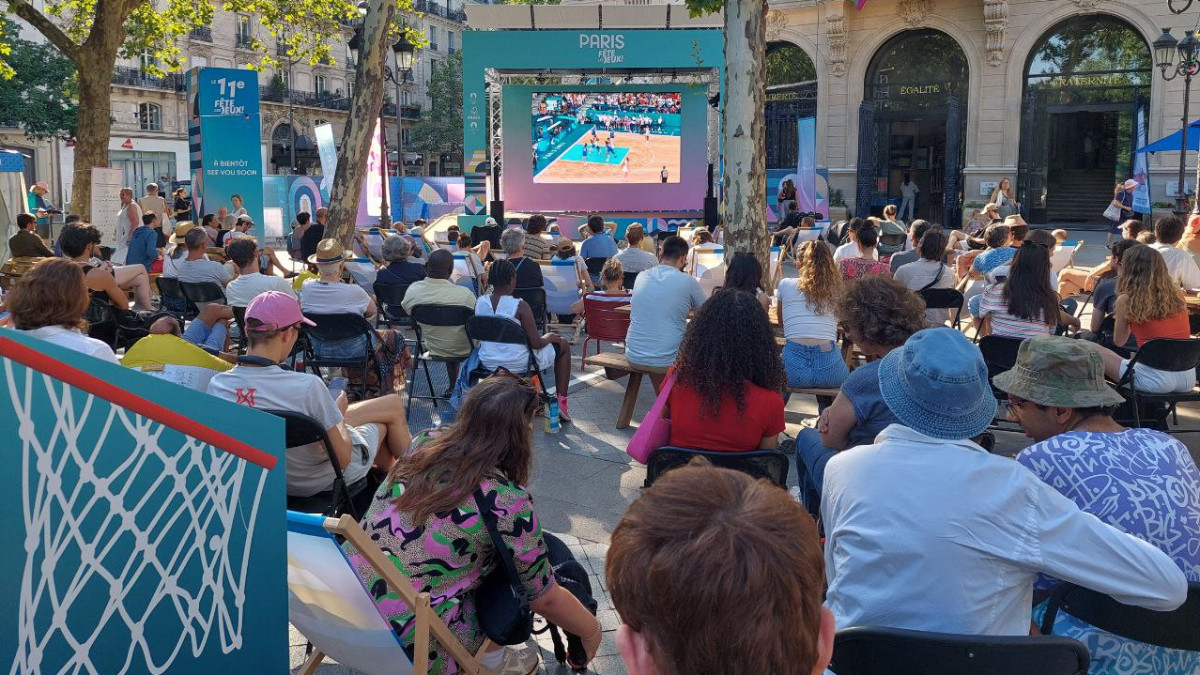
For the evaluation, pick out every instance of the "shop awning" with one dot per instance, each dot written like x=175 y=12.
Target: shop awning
x=1173 y=142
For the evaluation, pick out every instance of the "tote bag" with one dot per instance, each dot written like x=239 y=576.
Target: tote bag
x=1113 y=212
x=654 y=431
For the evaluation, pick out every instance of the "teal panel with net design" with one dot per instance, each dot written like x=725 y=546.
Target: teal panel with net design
x=144 y=526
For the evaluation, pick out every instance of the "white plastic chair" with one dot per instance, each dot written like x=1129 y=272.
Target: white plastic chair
x=708 y=266
x=328 y=604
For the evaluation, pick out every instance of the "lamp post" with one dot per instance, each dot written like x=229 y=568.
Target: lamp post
x=402 y=53
x=1166 y=50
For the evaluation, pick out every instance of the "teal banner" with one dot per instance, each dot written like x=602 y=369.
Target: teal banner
x=225 y=139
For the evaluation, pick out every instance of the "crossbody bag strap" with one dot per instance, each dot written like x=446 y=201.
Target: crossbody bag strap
x=502 y=552
x=941 y=269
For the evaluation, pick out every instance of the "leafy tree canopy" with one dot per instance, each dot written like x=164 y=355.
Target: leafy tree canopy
x=789 y=64
x=440 y=128
x=40 y=97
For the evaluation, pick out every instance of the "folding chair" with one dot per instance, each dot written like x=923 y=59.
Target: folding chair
x=504 y=331
x=594 y=267
x=299 y=430
x=202 y=293
x=686 y=233
x=1064 y=256
x=630 y=278
x=604 y=322
x=239 y=320
x=945 y=298
x=709 y=269
x=339 y=341
x=769 y=464
x=1000 y=355
x=1169 y=354
x=103 y=324
x=1176 y=629
x=560 y=281
x=871 y=650
x=329 y=605
x=536 y=297
x=465 y=272
x=168 y=287
x=389 y=297
x=439 y=316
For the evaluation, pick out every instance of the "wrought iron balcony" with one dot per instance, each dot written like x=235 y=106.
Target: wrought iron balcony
x=201 y=33
x=135 y=77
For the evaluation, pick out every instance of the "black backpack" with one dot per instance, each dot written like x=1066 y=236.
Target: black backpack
x=569 y=574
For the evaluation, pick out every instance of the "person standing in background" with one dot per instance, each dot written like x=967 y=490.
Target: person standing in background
x=908 y=194
x=40 y=206
x=129 y=218
x=152 y=202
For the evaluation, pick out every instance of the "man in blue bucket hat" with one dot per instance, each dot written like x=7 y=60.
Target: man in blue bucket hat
x=928 y=531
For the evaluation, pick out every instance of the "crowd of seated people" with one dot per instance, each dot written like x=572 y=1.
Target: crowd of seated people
x=899 y=438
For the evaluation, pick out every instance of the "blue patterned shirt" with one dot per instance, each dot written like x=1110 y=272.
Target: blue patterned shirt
x=1139 y=481
x=992 y=258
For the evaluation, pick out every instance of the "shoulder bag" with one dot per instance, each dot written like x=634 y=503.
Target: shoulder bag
x=654 y=432
x=500 y=602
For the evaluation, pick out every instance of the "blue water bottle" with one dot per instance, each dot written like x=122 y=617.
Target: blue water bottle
x=552 y=422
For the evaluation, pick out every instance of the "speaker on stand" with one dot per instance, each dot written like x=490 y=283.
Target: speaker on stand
x=711 y=212
x=496 y=206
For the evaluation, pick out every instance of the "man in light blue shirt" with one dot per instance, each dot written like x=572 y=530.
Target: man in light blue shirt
x=662 y=299
x=600 y=244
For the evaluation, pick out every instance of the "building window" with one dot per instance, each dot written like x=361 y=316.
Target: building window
x=285 y=74
x=243 y=32
x=148 y=61
x=150 y=117
x=450 y=41
x=199 y=62
x=319 y=122
x=404 y=96
x=319 y=85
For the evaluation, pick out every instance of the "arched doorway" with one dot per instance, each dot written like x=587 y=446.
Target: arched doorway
x=281 y=147
x=791 y=95
x=912 y=123
x=1087 y=84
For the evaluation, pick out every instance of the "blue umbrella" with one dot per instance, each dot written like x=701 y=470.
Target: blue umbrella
x=1173 y=142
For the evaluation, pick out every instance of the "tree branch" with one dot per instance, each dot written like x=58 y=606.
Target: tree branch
x=47 y=28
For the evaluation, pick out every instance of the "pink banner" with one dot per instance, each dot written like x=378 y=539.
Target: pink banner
x=373 y=184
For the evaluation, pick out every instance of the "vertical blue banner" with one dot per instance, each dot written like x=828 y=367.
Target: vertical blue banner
x=225 y=139
x=1141 y=196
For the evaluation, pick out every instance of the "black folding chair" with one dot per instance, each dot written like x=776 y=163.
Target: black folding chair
x=594 y=266
x=630 y=280
x=300 y=430
x=536 y=298
x=1177 y=629
x=871 y=650
x=103 y=324
x=504 y=331
x=1169 y=354
x=1000 y=355
x=169 y=288
x=944 y=298
x=769 y=464
x=389 y=297
x=437 y=316
x=350 y=332
x=198 y=293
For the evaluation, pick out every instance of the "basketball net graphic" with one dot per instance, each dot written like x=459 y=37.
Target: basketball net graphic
x=116 y=573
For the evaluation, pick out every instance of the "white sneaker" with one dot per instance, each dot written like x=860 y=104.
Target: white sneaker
x=519 y=660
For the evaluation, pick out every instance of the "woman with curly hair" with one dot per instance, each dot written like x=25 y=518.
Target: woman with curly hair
x=1149 y=305
x=806 y=309
x=879 y=315
x=727 y=379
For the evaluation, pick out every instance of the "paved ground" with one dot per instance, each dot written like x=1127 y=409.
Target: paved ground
x=583 y=480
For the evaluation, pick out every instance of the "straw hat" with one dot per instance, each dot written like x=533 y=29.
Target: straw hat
x=329 y=251
x=1015 y=220
x=181 y=230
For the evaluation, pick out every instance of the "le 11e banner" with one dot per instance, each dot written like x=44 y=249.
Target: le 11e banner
x=225 y=139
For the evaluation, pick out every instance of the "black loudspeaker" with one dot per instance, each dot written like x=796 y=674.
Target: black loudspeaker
x=711 y=217
x=496 y=210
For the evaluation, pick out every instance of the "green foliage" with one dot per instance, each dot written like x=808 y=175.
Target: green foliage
x=701 y=7
x=39 y=97
x=789 y=65
x=440 y=129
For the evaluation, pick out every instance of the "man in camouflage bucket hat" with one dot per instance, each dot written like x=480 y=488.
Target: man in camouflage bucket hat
x=1140 y=481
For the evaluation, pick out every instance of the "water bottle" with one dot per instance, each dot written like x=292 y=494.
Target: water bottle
x=552 y=422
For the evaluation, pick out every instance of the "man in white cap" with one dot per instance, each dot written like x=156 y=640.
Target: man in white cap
x=39 y=205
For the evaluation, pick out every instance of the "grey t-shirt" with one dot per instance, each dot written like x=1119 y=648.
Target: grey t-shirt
x=634 y=259
x=202 y=270
x=903 y=258
x=662 y=298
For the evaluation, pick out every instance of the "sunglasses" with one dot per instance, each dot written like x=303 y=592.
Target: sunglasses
x=1018 y=402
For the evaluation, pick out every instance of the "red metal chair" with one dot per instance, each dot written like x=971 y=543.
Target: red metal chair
x=604 y=322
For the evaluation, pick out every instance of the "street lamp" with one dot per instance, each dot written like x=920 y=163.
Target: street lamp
x=1166 y=50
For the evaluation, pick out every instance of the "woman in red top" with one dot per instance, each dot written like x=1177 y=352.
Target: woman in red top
x=1149 y=305
x=728 y=376
x=865 y=265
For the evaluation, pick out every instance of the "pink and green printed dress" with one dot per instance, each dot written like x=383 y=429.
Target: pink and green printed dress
x=448 y=557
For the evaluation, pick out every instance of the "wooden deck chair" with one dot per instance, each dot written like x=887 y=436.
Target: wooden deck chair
x=803 y=234
x=363 y=271
x=686 y=233
x=775 y=273
x=372 y=241
x=709 y=269
x=560 y=279
x=328 y=604
x=1064 y=255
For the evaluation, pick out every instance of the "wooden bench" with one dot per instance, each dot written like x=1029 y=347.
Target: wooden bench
x=617 y=366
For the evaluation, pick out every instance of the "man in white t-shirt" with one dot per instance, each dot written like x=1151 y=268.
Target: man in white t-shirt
x=250 y=282
x=357 y=432
x=662 y=299
x=327 y=294
x=1180 y=264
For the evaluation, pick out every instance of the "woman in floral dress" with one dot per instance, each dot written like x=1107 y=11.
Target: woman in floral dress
x=426 y=519
x=865 y=264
